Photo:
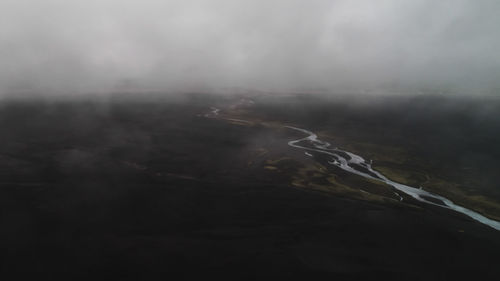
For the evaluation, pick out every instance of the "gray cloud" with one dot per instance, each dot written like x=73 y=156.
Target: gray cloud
x=101 y=45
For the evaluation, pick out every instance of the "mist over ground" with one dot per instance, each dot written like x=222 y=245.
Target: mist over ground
x=250 y=139
x=75 y=46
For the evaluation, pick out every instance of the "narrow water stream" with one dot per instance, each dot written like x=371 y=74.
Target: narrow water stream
x=355 y=164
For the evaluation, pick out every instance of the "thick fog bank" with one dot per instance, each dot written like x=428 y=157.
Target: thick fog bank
x=75 y=47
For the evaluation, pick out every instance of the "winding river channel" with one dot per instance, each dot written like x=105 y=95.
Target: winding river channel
x=355 y=164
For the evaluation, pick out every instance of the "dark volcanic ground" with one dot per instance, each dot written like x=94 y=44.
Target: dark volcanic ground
x=149 y=190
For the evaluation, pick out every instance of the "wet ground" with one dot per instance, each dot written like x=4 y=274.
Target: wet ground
x=138 y=190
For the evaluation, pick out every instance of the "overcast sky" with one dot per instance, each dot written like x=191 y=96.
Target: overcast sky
x=101 y=45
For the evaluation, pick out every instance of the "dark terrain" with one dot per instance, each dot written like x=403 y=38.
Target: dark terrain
x=152 y=189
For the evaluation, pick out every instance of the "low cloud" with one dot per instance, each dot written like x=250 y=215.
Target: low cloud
x=104 y=45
